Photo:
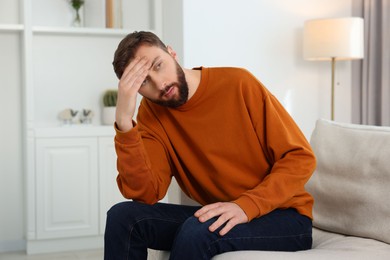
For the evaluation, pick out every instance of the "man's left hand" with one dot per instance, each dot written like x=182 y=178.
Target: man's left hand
x=228 y=212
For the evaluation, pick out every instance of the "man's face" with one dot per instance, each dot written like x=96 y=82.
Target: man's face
x=165 y=83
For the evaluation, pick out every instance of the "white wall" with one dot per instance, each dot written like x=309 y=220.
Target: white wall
x=11 y=174
x=261 y=35
x=266 y=38
x=11 y=166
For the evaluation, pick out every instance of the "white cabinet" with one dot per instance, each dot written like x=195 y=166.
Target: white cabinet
x=71 y=186
x=75 y=185
x=67 y=187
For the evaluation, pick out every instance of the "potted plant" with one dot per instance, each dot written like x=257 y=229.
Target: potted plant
x=109 y=106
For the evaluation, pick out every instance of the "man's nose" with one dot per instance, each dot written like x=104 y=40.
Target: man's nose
x=160 y=83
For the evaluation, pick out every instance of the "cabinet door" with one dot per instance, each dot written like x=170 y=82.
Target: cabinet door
x=109 y=191
x=66 y=187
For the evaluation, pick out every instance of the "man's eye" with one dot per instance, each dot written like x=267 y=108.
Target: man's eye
x=144 y=82
x=158 y=66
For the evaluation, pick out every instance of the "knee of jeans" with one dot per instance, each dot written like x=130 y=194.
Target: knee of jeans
x=194 y=238
x=193 y=228
x=116 y=208
x=119 y=211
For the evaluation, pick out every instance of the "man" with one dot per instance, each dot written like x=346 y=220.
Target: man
x=229 y=144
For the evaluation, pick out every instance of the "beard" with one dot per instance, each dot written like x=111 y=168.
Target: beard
x=182 y=86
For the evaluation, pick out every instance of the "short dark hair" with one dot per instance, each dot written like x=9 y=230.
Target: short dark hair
x=129 y=46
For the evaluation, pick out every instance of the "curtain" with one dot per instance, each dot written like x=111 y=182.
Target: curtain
x=371 y=76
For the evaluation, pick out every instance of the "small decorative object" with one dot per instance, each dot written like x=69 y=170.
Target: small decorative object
x=76 y=5
x=114 y=13
x=86 y=116
x=109 y=106
x=68 y=116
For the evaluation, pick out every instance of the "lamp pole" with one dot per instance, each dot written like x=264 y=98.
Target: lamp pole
x=332 y=88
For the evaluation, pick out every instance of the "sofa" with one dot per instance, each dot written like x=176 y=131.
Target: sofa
x=351 y=188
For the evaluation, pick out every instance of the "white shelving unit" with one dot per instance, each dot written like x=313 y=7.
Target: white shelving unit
x=73 y=65
x=57 y=66
x=40 y=30
x=11 y=27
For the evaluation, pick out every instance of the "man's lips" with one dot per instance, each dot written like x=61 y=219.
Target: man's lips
x=168 y=91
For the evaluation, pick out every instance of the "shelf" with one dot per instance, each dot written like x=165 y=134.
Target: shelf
x=80 y=31
x=73 y=131
x=11 y=27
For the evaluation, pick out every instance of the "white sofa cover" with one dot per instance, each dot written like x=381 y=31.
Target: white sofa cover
x=351 y=188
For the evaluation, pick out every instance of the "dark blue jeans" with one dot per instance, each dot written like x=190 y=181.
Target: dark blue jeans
x=133 y=227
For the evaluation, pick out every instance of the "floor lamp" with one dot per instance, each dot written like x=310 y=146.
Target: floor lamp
x=331 y=40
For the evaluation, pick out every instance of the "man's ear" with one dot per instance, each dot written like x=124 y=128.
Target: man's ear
x=172 y=52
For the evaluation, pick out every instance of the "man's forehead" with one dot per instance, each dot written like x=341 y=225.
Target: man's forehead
x=148 y=51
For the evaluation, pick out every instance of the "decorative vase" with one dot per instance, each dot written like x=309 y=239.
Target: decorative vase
x=108 y=115
x=77 y=6
x=77 y=19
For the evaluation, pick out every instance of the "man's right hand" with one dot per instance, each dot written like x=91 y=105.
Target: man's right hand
x=129 y=84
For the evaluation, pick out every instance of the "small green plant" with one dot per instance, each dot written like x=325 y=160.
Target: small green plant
x=76 y=4
x=110 y=97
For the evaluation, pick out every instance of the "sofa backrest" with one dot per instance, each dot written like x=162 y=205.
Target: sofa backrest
x=351 y=184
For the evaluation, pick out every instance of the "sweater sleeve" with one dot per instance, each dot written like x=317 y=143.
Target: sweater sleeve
x=291 y=159
x=141 y=176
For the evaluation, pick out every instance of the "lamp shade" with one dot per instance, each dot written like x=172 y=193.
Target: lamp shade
x=340 y=38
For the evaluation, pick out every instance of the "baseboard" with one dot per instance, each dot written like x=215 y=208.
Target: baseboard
x=12 y=245
x=63 y=245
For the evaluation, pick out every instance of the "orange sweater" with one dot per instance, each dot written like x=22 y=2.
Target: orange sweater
x=232 y=141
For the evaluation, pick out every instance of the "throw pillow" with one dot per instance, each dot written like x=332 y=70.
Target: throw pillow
x=351 y=184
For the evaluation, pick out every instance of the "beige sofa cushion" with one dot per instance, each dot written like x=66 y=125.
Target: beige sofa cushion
x=351 y=184
x=326 y=246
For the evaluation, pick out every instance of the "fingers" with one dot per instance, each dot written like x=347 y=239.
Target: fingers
x=206 y=212
x=228 y=226
x=224 y=218
x=134 y=74
x=228 y=213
